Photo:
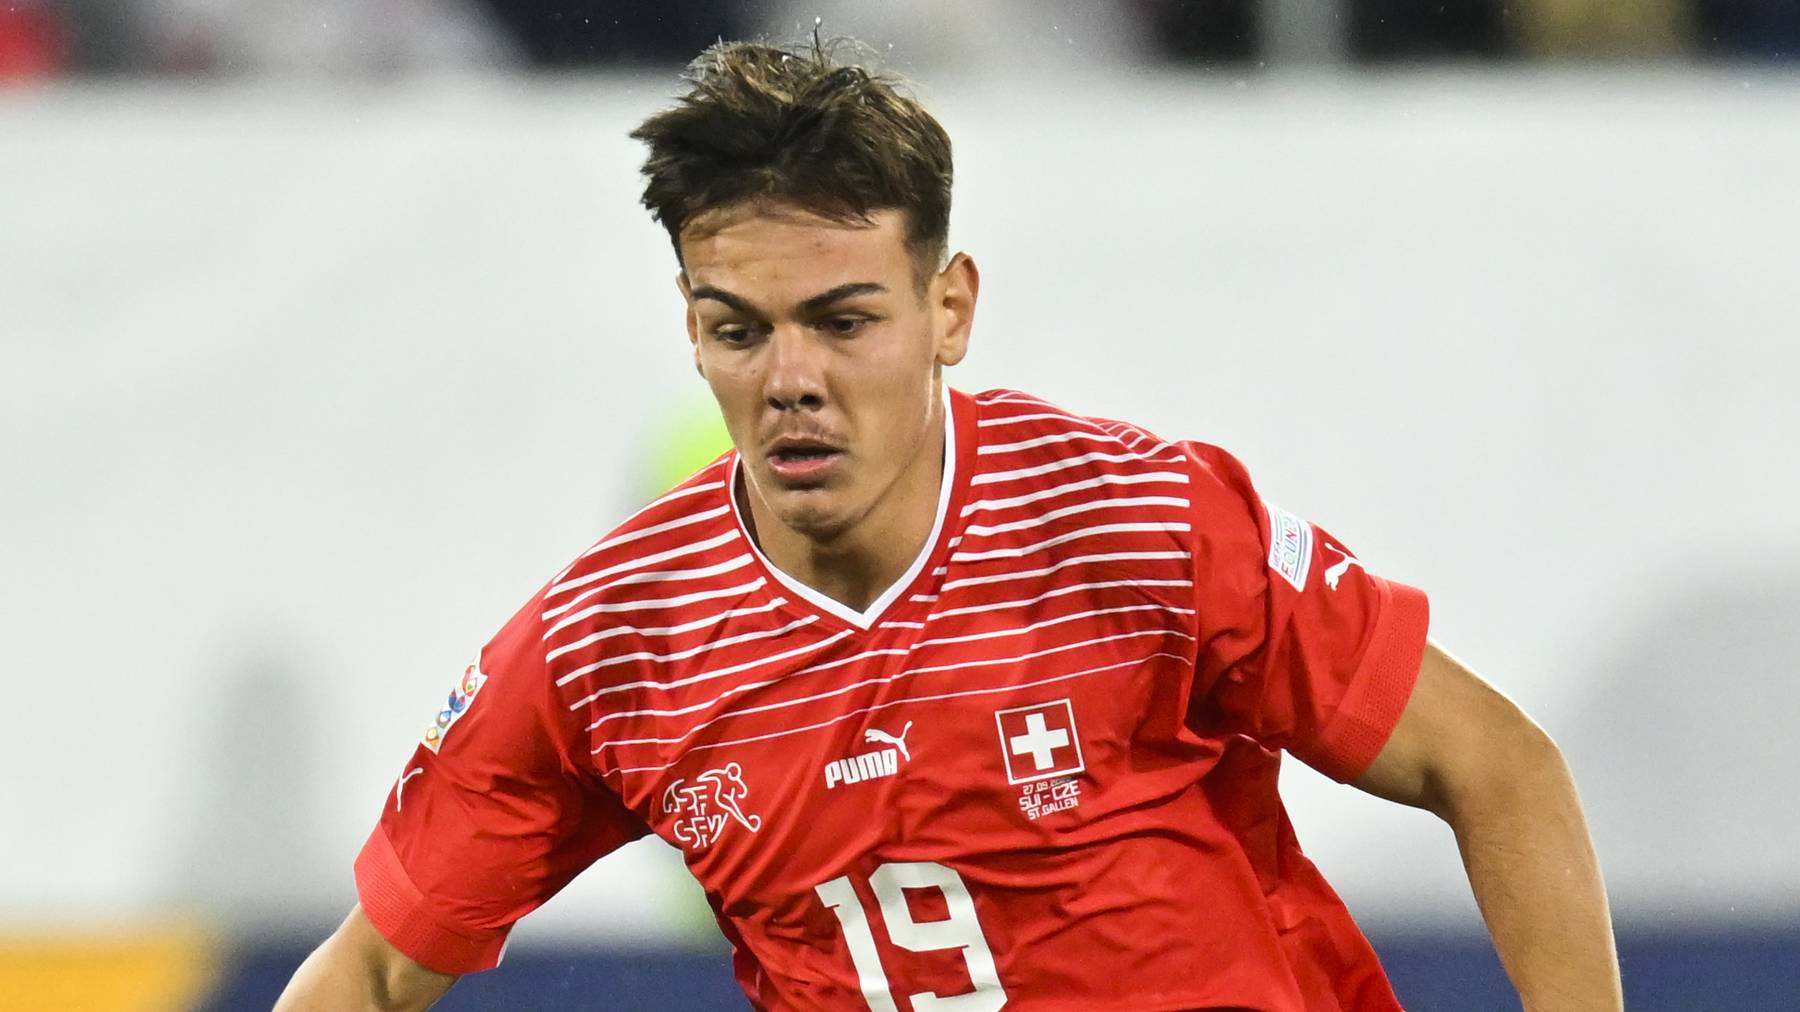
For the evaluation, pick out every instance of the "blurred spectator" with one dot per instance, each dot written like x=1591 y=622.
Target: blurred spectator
x=322 y=36
x=1600 y=27
x=1768 y=29
x=101 y=35
x=573 y=33
x=45 y=38
x=32 y=41
x=1323 y=31
x=1383 y=30
x=1225 y=31
x=995 y=37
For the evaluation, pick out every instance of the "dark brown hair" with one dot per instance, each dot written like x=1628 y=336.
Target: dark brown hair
x=794 y=126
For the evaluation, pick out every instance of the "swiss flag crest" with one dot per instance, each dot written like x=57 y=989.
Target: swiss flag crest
x=1039 y=741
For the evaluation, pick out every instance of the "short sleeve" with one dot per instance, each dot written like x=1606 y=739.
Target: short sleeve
x=1300 y=648
x=496 y=811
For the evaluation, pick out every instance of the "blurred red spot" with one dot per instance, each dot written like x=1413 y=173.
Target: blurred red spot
x=32 y=43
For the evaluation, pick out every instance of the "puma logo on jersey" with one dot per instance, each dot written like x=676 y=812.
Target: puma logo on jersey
x=400 y=786
x=1337 y=570
x=875 y=734
x=884 y=762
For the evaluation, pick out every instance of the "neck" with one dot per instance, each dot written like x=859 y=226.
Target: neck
x=856 y=565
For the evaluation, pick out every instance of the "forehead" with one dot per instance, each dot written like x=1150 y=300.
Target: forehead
x=779 y=251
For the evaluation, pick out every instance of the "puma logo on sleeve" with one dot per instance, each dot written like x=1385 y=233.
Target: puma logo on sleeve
x=1338 y=569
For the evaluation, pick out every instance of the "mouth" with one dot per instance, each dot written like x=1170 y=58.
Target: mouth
x=802 y=461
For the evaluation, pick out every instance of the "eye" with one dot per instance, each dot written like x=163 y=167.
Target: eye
x=733 y=334
x=846 y=326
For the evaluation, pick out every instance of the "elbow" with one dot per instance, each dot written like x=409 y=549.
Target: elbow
x=1509 y=762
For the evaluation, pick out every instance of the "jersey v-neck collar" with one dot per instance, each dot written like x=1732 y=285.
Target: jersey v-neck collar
x=959 y=440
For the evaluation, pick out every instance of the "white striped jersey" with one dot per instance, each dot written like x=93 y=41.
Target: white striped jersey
x=1038 y=773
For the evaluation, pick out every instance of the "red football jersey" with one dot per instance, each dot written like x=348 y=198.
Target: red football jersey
x=1038 y=773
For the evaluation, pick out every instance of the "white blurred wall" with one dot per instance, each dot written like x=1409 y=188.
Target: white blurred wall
x=302 y=393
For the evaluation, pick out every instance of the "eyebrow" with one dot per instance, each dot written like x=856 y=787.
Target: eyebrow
x=811 y=305
x=840 y=293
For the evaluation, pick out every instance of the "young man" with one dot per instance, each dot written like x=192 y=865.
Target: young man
x=950 y=701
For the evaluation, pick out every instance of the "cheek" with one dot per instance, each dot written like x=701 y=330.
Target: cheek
x=731 y=386
x=901 y=383
x=910 y=353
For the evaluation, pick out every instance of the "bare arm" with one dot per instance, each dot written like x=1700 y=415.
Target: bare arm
x=356 y=968
x=1467 y=754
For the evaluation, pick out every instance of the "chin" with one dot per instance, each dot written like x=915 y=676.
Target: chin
x=817 y=513
x=821 y=514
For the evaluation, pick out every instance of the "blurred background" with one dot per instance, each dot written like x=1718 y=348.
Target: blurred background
x=329 y=331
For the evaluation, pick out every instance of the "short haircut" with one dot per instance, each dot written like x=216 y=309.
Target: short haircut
x=794 y=126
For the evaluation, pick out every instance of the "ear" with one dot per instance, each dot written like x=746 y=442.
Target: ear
x=692 y=320
x=953 y=293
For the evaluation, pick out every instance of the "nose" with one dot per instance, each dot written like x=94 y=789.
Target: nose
x=796 y=370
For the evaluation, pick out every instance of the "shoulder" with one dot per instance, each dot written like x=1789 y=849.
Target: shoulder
x=695 y=510
x=687 y=537
x=1051 y=488
x=1015 y=426
x=1012 y=424
x=1030 y=445
x=649 y=563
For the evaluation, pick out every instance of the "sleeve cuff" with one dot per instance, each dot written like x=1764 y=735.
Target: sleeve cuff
x=398 y=910
x=1380 y=688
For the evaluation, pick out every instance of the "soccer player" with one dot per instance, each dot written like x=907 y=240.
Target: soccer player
x=951 y=701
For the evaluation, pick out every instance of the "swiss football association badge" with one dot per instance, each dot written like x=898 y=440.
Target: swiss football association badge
x=701 y=810
x=1042 y=751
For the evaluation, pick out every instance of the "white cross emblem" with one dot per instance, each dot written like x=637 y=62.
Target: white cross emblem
x=1039 y=741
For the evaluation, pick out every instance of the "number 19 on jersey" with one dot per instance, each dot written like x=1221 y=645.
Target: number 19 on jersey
x=960 y=930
